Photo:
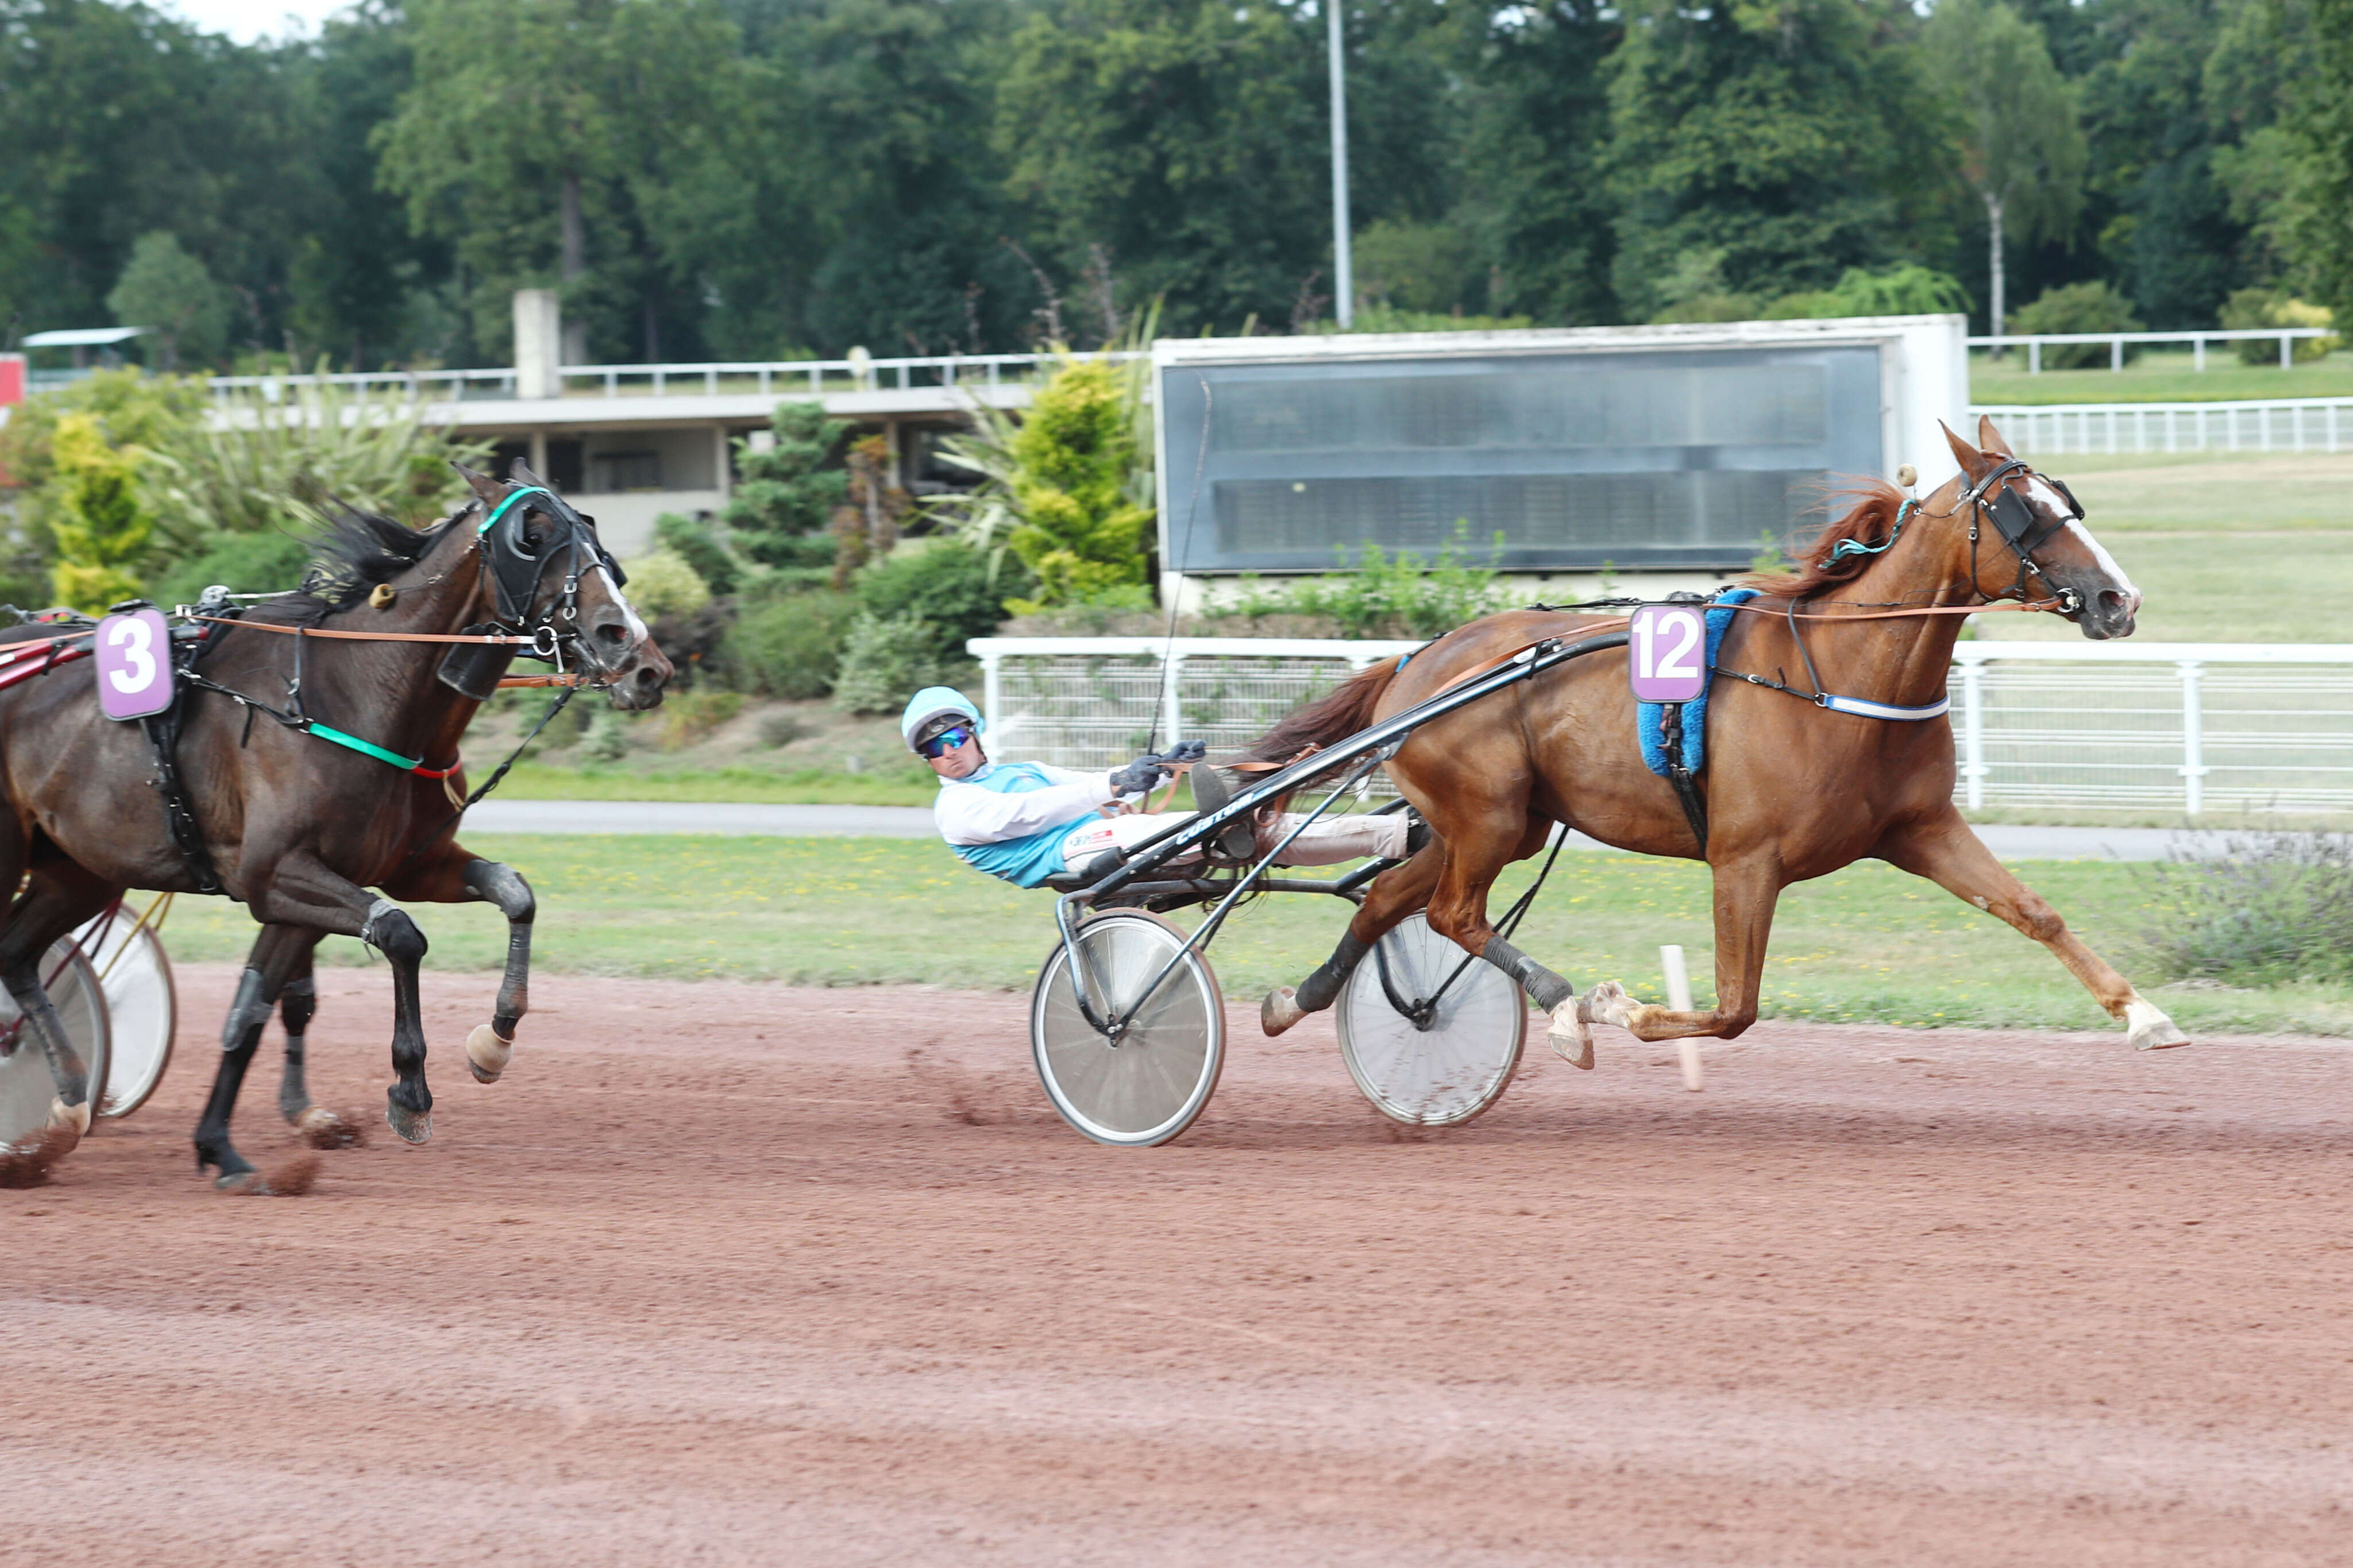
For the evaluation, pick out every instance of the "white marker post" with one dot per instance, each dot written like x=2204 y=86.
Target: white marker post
x=1679 y=997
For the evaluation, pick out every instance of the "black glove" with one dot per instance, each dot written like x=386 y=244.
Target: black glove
x=1140 y=775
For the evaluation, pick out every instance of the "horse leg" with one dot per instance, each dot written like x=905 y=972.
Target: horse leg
x=1394 y=894
x=302 y=891
x=298 y=1003
x=455 y=877
x=1475 y=856
x=277 y=952
x=59 y=896
x=1745 y=893
x=1947 y=852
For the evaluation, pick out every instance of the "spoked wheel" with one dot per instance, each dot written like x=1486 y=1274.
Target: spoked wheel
x=1425 y=1064
x=26 y=1087
x=141 y=1004
x=1148 y=1085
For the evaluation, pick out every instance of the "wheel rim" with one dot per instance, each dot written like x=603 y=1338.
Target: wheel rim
x=142 y=1007
x=26 y=1088
x=1449 y=1073
x=1149 y=1087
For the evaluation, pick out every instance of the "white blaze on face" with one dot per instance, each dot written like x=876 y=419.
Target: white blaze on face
x=2047 y=494
x=638 y=632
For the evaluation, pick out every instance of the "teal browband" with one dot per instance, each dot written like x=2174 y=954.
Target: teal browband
x=500 y=510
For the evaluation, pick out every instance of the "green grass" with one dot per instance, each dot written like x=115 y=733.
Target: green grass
x=1867 y=944
x=2165 y=377
x=811 y=787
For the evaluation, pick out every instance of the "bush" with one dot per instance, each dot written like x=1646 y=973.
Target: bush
x=1081 y=487
x=946 y=585
x=688 y=717
x=884 y=661
x=788 y=493
x=248 y=562
x=2077 y=308
x=1403 y=594
x=2272 y=907
x=663 y=584
x=789 y=647
x=1907 y=290
x=2268 y=308
x=700 y=545
x=780 y=730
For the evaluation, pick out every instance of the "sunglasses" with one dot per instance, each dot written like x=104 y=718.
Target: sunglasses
x=940 y=744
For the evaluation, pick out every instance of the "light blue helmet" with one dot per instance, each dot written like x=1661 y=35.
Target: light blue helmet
x=934 y=708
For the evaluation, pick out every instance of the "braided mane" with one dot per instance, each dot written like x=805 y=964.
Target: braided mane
x=1870 y=521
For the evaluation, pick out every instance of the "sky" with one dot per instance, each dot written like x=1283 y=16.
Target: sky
x=248 y=20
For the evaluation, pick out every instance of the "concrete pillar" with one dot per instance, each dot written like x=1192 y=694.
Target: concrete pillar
x=538 y=342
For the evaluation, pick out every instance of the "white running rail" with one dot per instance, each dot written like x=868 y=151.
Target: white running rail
x=2279 y=424
x=2192 y=728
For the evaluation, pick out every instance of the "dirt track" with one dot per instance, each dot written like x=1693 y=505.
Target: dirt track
x=737 y=1273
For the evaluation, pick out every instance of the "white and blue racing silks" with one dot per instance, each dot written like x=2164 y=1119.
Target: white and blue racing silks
x=1010 y=819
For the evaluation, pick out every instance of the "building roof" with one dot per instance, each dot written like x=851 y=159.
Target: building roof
x=84 y=337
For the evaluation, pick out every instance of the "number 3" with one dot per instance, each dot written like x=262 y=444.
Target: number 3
x=141 y=638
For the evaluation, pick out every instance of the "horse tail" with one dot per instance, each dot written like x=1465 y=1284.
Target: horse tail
x=1335 y=716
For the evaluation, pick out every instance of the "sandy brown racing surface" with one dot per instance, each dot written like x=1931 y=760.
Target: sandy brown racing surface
x=727 y=1274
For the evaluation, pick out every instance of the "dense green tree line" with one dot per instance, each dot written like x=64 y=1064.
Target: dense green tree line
x=749 y=178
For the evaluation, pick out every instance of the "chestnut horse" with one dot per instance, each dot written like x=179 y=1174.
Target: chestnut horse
x=1793 y=790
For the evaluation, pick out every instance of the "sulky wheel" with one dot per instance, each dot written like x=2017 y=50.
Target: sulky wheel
x=26 y=1085
x=1450 y=1063
x=1149 y=1084
x=141 y=1004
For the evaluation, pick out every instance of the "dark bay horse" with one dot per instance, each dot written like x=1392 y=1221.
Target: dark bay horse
x=1792 y=790
x=296 y=825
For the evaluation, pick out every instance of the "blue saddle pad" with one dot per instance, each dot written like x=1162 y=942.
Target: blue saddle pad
x=1649 y=717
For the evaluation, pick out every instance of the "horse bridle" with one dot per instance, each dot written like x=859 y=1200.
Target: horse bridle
x=515 y=571
x=2014 y=520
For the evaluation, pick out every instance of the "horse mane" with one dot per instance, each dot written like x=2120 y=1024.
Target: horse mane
x=358 y=549
x=1870 y=521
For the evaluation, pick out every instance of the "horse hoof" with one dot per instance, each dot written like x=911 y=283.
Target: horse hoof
x=2150 y=1030
x=413 y=1126
x=322 y=1129
x=1280 y=1010
x=488 y=1053
x=1571 y=1039
x=1608 y=1004
x=74 y=1116
x=244 y=1184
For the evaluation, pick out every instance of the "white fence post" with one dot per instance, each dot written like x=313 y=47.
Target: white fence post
x=1973 y=763
x=992 y=696
x=2193 y=738
x=1171 y=670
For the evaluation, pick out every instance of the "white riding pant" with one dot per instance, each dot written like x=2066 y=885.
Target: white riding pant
x=1326 y=842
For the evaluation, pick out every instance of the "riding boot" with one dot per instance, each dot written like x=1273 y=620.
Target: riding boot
x=1212 y=792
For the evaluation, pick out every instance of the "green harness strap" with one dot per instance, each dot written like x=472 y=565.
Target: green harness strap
x=367 y=748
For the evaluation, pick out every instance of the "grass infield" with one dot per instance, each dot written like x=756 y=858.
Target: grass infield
x=1868 y=944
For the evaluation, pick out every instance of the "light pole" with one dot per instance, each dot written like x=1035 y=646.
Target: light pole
x=1344 y=281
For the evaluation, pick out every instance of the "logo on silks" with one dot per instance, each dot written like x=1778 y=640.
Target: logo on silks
x=1667 y=653
x=133 y=651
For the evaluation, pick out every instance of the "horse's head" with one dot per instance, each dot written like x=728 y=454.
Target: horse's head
x=547 y=573
x=2029 y=528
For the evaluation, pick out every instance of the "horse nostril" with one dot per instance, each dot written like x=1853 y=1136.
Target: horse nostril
x=2117 y=602
x=612 y=632
x=646 y=678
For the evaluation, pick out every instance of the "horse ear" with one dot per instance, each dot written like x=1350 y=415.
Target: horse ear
x=1990 y=439
x=1974 y=463
x=519 y=472
x=484 y=486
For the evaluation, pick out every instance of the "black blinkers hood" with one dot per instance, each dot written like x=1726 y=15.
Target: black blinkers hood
x=515 y=569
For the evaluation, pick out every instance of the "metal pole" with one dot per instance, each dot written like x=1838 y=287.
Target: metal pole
x=1344 y=275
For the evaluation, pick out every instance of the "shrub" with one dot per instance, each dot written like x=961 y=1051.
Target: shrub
x=98 y=515
x=688 y=717
x=246 y=563
x=884 y=661
x=700 y=545
x=2272 y=907
x=789 y=647
x=1403 y=594
x=788 y=493
x=1080 y=488
x=1907 y=290
x=607 y=739
x=947 y=585
x=2269 y=308
x=780 y=730
x=2077 y=308
x=662 y=585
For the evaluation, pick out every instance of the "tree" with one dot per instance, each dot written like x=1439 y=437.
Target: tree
x=97 y=513
x=1781 y=140
x=788 y=493
x=1082 y=524
x=2022 y=151
x=2319 y=123
x=164 y=288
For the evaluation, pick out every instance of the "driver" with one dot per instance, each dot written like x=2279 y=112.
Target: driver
x=1028 y=821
